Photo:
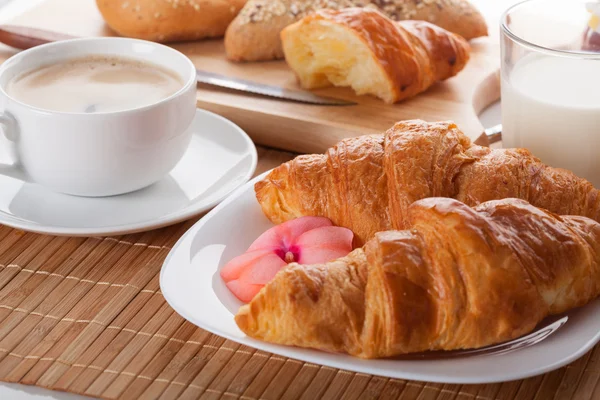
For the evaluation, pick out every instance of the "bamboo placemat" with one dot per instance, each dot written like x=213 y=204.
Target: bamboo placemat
x=86 y=315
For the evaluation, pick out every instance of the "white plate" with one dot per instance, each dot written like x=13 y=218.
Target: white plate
x=220 y=158
x=191 y=284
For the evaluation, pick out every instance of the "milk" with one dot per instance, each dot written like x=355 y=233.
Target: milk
x=551 y=106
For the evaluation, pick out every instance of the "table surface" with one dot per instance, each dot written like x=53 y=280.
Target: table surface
x=268 y=159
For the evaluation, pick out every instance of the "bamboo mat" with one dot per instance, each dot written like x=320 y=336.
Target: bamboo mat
x=86 y=315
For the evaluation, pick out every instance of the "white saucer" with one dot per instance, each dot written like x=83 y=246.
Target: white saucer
x=220 y=158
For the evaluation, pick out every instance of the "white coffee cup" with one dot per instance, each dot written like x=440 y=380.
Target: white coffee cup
x=97 y=154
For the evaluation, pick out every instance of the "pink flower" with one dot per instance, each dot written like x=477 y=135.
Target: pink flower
x=305 y=240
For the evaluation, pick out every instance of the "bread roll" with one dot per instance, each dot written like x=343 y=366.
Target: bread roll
x=169 y=20
x=254 y=33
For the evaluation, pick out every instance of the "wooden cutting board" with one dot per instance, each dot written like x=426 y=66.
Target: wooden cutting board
x=294 y=126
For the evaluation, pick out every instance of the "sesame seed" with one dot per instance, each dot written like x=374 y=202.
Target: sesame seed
x=157 y=15
x=125 y=5
x=294 y=9
x=263 y=10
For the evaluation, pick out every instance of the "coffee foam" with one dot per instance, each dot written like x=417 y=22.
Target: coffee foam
x=94 y=84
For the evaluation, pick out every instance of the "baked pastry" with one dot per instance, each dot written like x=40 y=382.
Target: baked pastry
x=367 y=183
x=254 y=33
x=364 y=49
x=169 y=20
x=460 y=278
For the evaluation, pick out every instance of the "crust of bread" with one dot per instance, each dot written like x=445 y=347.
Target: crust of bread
x=256 y=42
x=456 y=16
x=169 y=21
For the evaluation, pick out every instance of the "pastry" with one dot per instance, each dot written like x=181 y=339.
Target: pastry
x=459 y=278
x=254 y=33
x=367 y=183
x=364 y=49
x=169 y=20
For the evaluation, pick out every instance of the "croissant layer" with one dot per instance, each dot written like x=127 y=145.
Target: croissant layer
x=460 y=278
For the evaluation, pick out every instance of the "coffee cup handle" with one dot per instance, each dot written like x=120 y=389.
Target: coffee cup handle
x=10 y=129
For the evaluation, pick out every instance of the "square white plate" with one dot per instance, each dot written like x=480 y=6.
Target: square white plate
x=191 y=283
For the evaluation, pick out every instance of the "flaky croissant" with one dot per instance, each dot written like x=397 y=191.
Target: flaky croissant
x=371 y=53
x=459 y=278
x=367 y=183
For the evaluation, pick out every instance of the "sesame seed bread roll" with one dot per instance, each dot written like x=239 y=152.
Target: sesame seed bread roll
x=254 y=35
x=169 y=20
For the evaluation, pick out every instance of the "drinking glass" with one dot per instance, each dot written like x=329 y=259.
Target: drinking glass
x=551 y=83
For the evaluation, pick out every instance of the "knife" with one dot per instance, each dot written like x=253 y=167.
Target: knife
x=23 y=38
x=494 y=134
x=210 y=78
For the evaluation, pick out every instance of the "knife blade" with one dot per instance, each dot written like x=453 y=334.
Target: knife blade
x=23 y=38
x=494 y=134
x=243 y=85
x=490 y=136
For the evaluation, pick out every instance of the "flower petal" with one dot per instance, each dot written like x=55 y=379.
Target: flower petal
x=234 y=268
x=286 y=233
x=324 y=244
x=243 y=291
x=261 y=271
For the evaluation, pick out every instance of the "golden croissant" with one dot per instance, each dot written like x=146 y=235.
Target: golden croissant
x=367 y=183
x=460 y=278
x=364 y=49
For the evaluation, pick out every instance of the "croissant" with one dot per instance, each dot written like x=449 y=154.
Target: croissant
x=460 y=278
x=364 y=49
x=367 y=183
x=254 y=33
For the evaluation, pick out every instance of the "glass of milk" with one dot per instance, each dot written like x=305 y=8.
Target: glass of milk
x=551 y=83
